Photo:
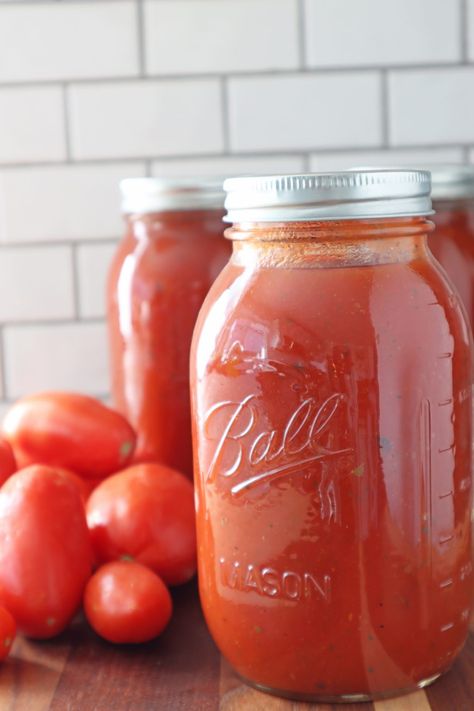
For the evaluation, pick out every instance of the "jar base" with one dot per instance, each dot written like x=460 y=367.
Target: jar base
x=343 y=698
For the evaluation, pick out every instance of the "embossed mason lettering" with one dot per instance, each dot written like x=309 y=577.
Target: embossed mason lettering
x=269 y=453
x=270 y=582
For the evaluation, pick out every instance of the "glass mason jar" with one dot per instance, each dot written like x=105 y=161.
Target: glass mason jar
x=172 y=251
x=331 y=398
x=452 y=242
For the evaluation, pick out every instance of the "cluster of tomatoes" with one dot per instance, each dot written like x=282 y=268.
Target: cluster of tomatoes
x=81 y=524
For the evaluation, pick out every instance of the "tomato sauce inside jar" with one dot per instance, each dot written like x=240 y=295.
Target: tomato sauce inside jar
x=172 y=251
x=331 y=395
x=452 y=242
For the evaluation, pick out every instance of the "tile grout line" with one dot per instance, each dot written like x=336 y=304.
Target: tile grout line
x=141 y=48
x=224 y=87
x=190 y=157
x=236 y=74
x=464 y=31
x=91 y=242
x=54 y=322
x=67 y=125
x=75 y=283
x=301 y=34
x=384 y=96
x=47 y=2
x=3 y=371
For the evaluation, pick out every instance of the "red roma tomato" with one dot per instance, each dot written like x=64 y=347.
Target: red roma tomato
x=45 y=550
x=7 y=632
x=7 y=461
x=146 y=512
x=127 y=603
x=69 y=430
x=81 y=484
x=85 y=486
x=91 y=484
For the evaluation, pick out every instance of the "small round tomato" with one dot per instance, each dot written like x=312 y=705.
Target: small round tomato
x=146 y=512
x=45 y=550
x=7 y=632
x=7 y=461
x=127 y=603
x=69 y=430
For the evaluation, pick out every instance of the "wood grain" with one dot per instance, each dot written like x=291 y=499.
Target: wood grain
x=181 y=671
x=411 y=702
x=29 y=678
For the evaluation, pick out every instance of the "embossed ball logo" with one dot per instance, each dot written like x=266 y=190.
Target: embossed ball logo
x=249 y=454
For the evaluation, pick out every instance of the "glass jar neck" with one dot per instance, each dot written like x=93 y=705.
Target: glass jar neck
x=345 y=243
x=177 y=224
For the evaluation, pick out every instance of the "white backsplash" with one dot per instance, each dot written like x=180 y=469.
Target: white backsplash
x=95 y=90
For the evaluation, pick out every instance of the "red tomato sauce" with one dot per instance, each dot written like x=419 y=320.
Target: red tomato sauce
x=452 y=243
x=333 y=459
x=158 y=280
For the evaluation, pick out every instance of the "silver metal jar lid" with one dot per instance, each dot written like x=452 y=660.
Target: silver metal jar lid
x=147 y=195
x=349 y=195
x=451 y=182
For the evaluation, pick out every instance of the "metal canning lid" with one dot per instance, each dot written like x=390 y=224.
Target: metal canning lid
x=451 y=182
x=147 y=195
x=349 y=195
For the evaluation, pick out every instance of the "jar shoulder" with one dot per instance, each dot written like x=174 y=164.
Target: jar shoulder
x=317 y=309
x=171 y=262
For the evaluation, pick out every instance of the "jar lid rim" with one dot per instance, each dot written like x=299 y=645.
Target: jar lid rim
x=148 y=195
x=450 y=181
x=351 y=194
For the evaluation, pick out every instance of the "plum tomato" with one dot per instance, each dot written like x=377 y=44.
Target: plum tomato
x=7 y=632
x=69 y=430
x=45 y=550
x=146 y=512
x=7 y=461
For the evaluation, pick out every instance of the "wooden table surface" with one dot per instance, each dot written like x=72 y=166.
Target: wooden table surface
x=181 y=671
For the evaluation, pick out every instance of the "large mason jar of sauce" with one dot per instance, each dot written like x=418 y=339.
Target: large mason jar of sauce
x=452 y=242
x=331 y=397
x=172 y=251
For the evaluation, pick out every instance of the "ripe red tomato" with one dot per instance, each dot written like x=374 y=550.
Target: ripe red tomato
x=7 y=632
x=69 y=430
x=85 y=486
x=45 y=550
x=78 y=481
x=146 y=512
x=7 y=461
x=90 y=485
x=125 y=602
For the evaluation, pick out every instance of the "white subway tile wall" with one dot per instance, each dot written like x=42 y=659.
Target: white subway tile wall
x=429 y=106
x=55 y=356
x=95 y=91
x=62 y=203
x=229 y=165
x=23 y=140
x=342 y=33
x=305 y=111
x=93 y=262
x=206 y=36
x=37 y=283
x=68 y=40
x=129 y=119
x=384 y=158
